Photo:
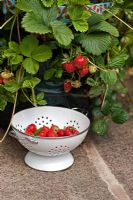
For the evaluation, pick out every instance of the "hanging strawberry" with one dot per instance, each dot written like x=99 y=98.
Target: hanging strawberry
x=67 y=86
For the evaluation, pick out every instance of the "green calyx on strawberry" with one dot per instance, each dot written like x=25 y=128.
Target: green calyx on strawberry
x=55 y=128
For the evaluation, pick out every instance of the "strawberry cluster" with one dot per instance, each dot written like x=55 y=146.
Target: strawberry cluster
x=80 y=65
x=53 y=131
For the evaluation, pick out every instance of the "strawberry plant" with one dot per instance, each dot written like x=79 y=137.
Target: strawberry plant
x=86 y=49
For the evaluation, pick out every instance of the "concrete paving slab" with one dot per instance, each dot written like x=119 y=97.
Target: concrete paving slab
x=117 y=151
x=19 y=182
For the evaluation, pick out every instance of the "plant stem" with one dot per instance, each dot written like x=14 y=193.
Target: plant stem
x=119 y=19
x=97 y=66
x=105 y=94
x=27 y=97
x=13 y=111
x=18 y=30
x=6 y=22
x=10 y=37
x=34 y=97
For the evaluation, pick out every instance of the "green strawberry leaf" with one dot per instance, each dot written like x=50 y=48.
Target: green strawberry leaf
x=12 y=86
x=42 y=53
x=14 y=47
x=31 y=83
x=62 y=33
x=80 y=25
x=117 y=62
x=119 y=116
x=40 y=96
x=28 y=45
x=95 y=43
x=49 y=73
x=96 y=113
x=106 y=108
x=79 y=18
x=3 y=103
x=35 y=24
x=100 y=127
x=9 y=53
x=16 y=59
x=41 y=102
x=109 y=77
x=58 y=73
x=31 y=66
x=47 y=3
x=105 y=27
x=95 y=91
x=91 y=82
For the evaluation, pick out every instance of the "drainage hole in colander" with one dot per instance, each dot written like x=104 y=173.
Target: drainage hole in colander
x=46 y=117
x=38 y=118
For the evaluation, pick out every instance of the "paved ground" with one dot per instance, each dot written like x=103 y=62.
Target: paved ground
x=81 y=182
x=103 y=170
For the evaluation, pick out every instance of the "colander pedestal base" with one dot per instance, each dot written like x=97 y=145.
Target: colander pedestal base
x=49 y=163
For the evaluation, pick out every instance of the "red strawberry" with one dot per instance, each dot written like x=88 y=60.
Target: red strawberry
x=69 y=67
x=69 y=130
x=84 y=71
x=80 y=61
x=61 y=132
x=67 y=86
x=28 y=132
x=75 y=132
x=30 y=129
x=42 y=134
x=45 y=129
x=51 y=133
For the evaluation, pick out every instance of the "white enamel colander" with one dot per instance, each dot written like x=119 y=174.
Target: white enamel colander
x=49 y=154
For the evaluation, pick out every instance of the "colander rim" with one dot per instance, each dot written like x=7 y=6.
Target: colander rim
x=52 y=137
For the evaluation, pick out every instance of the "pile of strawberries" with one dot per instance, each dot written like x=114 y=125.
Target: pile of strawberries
x=80 y=65
x=53 y=131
